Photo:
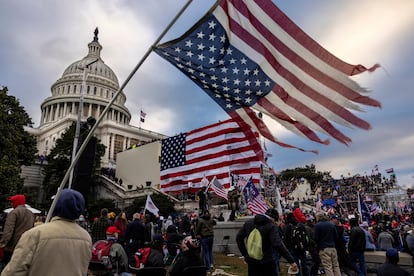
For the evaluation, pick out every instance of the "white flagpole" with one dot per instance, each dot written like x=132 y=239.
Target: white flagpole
x=209 y=183
x=146 y=202
x=121 y=88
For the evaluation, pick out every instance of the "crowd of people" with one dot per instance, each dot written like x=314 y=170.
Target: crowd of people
x=334 y=239
x=67 y=244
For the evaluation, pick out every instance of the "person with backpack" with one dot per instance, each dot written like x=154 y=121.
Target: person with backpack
x=296 y=239
x=262 y=238
x=59 y=247
x=149 y=256
x=109 y=255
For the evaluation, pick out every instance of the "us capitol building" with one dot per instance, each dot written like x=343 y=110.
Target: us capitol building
x=60 y=110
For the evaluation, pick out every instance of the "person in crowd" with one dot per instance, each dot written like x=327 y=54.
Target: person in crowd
x=312 y=247
x=82 y=222
x=184 y=225
x=325 y=235
x=117 y=253
x=271 y=241
x=189 y=256
x=156 y=256
x=60 y=247
x=205 y=232
x=385 y=240
x=370 y=243
x=410 y=243
x=99 y=226
x=294 y=220
x=166 y=223
x=149 y=229
x=18 y=221
x=340 y=246
x=134 y=235
x=356 y=248
x=391 y=267
x=121 y=223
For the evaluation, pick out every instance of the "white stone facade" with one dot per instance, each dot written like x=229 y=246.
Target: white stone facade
x=61 y=109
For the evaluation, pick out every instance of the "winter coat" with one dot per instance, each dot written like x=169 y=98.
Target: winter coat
x=357 y=240
x=18 y=221
x=60 y=247
x=205 y=227
x=385 y=241
x=270 y=239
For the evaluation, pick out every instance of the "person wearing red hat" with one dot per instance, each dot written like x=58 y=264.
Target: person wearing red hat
x=18 y=221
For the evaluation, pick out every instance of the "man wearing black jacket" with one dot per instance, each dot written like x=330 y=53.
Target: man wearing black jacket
x=271 y=241
x=356 y=247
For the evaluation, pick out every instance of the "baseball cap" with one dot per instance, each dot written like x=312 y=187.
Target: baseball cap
x=112 y=230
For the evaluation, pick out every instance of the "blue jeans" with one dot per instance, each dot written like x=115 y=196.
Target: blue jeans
x=301 y=256
x=276 y=259
x=207 y=245
x=358 y=258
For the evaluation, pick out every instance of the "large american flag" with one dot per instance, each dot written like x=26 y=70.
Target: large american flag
x=250 y=57
x=254 y=199
x=211 y=151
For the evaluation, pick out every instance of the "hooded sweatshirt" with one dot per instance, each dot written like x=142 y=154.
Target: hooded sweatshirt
x=17 y=200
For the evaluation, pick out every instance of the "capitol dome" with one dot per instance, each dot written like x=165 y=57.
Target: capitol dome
x=84 y=90
x=98 y=67
x=101 y=84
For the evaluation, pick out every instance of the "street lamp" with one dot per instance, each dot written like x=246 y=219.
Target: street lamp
x=78 y=121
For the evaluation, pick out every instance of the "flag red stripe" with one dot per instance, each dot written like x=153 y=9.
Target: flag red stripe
x=214 y=150
x=303 y=88
x=299 y=35
x=259 y=124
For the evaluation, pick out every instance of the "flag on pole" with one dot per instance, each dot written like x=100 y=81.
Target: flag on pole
x=150 y=206
x=249 y=56
x=254 y=199
x=278 y=199
x=143 y=114
x=363 y=210
x=210 y=151
x=390 y=170
x=218 y=188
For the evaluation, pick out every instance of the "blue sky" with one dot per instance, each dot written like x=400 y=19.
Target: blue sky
x=41 y=38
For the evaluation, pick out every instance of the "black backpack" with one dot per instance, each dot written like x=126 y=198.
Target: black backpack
x=300 y=239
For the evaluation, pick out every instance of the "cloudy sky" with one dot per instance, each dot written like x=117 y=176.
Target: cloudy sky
x=39 y=39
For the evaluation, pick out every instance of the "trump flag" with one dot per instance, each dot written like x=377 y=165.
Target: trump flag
x=250 y=58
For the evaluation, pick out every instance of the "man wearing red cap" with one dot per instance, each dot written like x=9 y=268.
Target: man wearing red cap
x=18 y=221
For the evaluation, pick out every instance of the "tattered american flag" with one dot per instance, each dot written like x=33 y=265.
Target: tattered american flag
x=211 y=151
x=250 y=57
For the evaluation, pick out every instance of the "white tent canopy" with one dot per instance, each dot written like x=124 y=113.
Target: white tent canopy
x=33 y=210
